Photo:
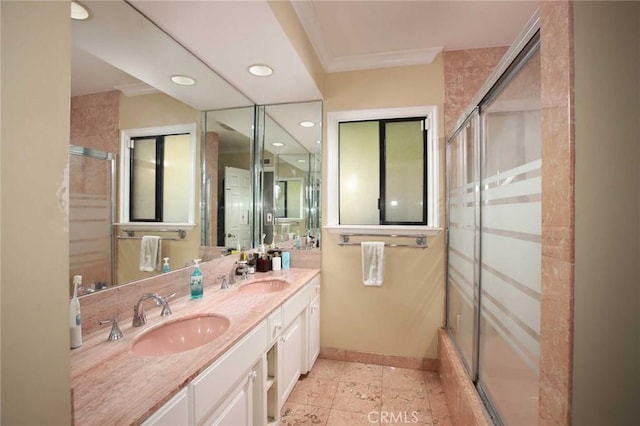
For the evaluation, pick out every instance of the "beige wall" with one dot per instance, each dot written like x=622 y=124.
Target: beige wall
x=286 y=15
x=402 y=317
x=606 y=375
x=152 y=111
x=35 y=143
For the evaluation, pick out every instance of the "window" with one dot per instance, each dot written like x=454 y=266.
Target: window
x=158 y=171
x=383 y=170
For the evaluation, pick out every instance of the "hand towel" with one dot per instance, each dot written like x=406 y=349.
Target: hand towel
x=150 y=253
x=372 y=263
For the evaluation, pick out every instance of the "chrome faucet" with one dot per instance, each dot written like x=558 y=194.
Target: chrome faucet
x=140 y=316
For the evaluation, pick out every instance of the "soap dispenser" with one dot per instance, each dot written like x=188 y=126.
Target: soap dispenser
x=196 y=281
x=75 y=327
x=165 y=267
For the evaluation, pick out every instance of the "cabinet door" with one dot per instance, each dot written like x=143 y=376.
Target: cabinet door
x=314 y=331
x=237 y=409
x=174 y=412
x=289 y=360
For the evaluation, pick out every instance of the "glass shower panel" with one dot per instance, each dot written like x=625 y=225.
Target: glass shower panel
x=90 y=217
x=510 y=272
x=462 y=289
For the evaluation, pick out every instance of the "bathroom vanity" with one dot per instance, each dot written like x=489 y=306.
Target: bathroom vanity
x=243 y=376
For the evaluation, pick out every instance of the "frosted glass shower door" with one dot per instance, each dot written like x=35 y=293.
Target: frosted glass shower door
x=462 y=278
x=510 y=270
x=91 y=185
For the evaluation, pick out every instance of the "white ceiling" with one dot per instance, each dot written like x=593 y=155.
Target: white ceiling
x=229 y=36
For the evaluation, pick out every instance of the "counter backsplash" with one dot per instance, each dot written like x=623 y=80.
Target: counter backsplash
x=118 y=302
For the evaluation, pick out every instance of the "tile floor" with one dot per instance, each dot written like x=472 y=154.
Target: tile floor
x=340 y=393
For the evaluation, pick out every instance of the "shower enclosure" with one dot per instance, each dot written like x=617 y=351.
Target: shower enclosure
x=91 y=216
x=494 y=232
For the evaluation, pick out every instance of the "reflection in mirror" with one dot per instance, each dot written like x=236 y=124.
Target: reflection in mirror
x=120 y=79
x=292 y=141
x=226 y=178
x=289 y=198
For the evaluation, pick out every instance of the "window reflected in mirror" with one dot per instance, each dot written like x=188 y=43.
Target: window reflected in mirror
x=159 y=174
x=158 y=171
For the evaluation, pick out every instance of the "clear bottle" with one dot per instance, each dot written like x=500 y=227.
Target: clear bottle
x=75 y=324
x=196 y=282
x=165 y=267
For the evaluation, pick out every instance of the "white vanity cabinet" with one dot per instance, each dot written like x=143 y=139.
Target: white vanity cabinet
x=224 y=388
x=314 y=324
x=238 y=407
x=250 y=382
x=290 y=348
x=173 y=412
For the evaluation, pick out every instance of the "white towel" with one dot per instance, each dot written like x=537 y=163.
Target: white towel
x=150 y=253
x=372 y=263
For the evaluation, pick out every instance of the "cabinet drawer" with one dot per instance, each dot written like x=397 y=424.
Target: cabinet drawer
x=211 y=386
x=294 y=306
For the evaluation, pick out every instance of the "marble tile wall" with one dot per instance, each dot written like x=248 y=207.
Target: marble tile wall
x=414 y=363
x=95 y=121
x=464 y=73
x=558 y=216
x=465 y=405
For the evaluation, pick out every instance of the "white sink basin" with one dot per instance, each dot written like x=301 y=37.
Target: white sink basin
x=267 y=286
x=181 y=335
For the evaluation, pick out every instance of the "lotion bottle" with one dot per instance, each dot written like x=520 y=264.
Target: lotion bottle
x=165 y=267
x=196 y=281
x=75 y=327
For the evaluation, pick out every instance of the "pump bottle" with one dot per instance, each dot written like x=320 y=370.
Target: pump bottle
x=196 y=281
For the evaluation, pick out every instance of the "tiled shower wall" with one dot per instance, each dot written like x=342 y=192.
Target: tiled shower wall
x=464 y=73
x=95 y=121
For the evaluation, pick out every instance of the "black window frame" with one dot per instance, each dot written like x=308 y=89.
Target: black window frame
x=382 y=168
x=159 y=177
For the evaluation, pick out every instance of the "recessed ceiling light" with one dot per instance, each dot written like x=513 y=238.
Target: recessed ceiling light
x=78 y=11
x=307 y=123
x=261 y=70
x=317 y=141
x=277 y=144
x=183 y=80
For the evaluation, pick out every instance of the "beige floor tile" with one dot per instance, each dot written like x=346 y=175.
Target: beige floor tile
x=439 y=410
x=362 y=373
x=366 y=394
x=406 y=406
x=403 y=378
x=357 y=397
x=327 y=369
x=300 y=414
x=314 y=391
x=345 y=418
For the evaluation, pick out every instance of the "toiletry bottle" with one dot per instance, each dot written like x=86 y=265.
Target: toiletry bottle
x=165 y=267
x=196 y=281
x=298 y=242
x=286 y=259
x=75 y=326
x=276 y=262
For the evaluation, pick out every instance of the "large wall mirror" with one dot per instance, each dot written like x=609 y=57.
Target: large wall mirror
x=122 y=66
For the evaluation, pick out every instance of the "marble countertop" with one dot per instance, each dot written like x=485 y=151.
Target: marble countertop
x=113 y=386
